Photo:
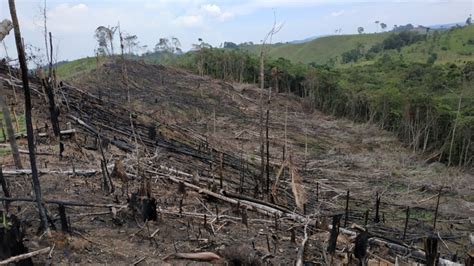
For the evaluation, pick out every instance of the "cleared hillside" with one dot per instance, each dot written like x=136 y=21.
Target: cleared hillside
x=180 y=128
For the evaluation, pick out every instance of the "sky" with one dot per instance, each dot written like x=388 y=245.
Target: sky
x=73 y=22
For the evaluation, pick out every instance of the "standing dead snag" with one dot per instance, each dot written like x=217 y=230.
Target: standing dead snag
x=346 y=219
x=10 y=132
x=268 y=38
x=29 y=124
x=406 y=223
x=6 y=27
x=437 y=207
x=48 y=85
x=377 y=206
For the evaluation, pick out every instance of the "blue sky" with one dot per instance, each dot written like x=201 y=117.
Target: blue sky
x=73 y=22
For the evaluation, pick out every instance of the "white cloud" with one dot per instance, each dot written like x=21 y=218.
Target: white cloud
x=189 y=21
x=214 y=11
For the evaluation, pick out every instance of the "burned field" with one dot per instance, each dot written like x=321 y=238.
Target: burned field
x=141 y=138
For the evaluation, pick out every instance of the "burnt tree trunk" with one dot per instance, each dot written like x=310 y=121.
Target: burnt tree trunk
x=29 y=125
x=10 y=132
x=6 y=192
x=53 y=109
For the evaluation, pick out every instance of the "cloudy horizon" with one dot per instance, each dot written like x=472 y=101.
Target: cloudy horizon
x=72 y=22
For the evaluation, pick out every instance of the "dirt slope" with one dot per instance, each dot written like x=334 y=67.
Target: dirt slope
x=197 y=119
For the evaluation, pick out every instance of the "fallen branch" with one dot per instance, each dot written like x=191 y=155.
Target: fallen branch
x=25 y=256
x=267 y=210
x=299 y=260
x=66 y=203
x=200 y=256
x=76 y=172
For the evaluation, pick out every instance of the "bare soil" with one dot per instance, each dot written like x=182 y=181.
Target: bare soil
x=198 y=119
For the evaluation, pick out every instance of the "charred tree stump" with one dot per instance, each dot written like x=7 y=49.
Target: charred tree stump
x=431 y=250
x=377 y=207
x=63 y=217
x=406 y=223
x=437 y=207
x=221 y=169
x=145 y=206
x=5 y=189
x=360 y=249
x=105 y=183
x=11 y=240
x=336 y=221
x=317 y=191
x=105 y=171
x=366 y=217
x=346 y=218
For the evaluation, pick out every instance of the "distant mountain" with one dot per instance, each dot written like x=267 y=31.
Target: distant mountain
x=307 y=39
x=446 y=26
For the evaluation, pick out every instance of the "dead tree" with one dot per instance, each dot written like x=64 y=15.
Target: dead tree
x=29 y=124
x=267 y=40
x=6 y=191
x=5 y=29
x=53 y=109
x=10 y=132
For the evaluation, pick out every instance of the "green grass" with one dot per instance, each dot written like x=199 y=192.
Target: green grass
x=452 y=46
x=74 y=68
x=321 y=49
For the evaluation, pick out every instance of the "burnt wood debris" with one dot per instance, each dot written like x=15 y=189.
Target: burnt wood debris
x=94 y=118
x=159 y=179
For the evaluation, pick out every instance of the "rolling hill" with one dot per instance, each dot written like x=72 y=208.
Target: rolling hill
x=451 y=46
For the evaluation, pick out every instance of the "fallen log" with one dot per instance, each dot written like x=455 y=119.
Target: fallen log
x=25 y=256
x=66 y=203
x=67 y=132
x=260 y=208
x=300 y=257
x=200 y=256
x=76 y=172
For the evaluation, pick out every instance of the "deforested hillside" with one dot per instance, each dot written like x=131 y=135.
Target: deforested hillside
x=165 y=142
x=326 y=151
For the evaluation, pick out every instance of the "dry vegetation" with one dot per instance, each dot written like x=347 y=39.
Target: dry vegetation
x=206 y=133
